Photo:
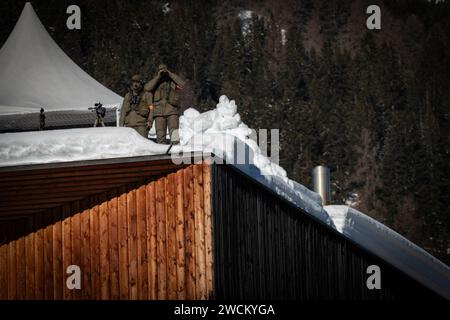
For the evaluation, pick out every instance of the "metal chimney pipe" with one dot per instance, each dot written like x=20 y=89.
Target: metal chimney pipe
x=321 y=183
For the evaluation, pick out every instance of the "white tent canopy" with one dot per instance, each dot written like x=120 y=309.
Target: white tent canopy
x=35 y=73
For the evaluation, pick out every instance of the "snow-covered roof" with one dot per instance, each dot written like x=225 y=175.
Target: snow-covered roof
x=35 y=73
x=221 y=132
x=391 y=247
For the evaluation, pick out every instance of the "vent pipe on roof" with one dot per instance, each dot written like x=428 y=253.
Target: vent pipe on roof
x=321 y=183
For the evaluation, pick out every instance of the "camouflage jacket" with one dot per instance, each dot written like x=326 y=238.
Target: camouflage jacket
x=134 y=110
x=166 y=94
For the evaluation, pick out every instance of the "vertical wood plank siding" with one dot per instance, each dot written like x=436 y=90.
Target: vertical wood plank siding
x=139 y=241
x=265 y=248
x=201 y=232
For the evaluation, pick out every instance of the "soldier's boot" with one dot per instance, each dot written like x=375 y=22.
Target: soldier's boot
x=161 y=129
x=173 y=124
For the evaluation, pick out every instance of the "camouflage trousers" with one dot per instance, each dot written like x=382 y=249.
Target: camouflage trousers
x=142 y=130
x=161 y=125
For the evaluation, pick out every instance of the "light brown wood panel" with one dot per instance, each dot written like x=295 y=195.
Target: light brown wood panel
x=29 y=257
x=75 y=234
x=67 y=248
x=136 y=241
x=58 y=272
x=12 y=267
x=142 y=265
x=180 y=236
x=104 y=247
x=200 y=256
x=151 y=241
x=48 y=257
x=190 y=232
x=209 y=245
x=171 y=237
x=123 y=244
x=21 y=264
x=85 y=266
x=113 y=245
x=39 y=258
x=161 y=252
x=132 y=243
x=94 y=231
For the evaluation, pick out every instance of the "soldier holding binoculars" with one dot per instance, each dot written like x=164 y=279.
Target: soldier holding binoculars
x=165 y=89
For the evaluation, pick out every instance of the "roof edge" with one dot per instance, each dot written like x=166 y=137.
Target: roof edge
x=185 y=158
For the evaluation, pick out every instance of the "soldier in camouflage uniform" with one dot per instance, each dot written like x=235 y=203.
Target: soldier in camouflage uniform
x=136 y=107
x=165 y=89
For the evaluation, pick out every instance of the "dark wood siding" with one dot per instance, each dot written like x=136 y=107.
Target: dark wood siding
x=268 y=249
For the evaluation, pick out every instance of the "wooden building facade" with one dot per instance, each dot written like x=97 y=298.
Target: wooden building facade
x=139 y=230
x=266 y=248
x=146 y=228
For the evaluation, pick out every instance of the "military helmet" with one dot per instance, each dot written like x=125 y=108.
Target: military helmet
x=136 y=78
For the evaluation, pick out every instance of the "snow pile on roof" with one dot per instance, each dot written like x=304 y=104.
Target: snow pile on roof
x=392 y=247
x=73 y=145
x=221 y=132
x=35 y=73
